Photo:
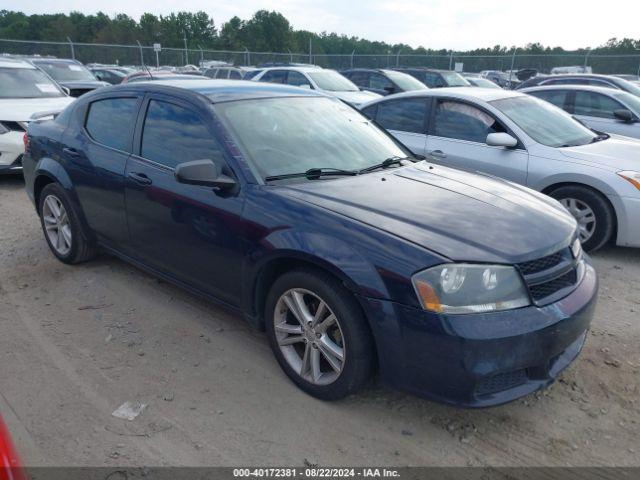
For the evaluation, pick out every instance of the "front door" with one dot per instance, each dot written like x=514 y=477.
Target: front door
x=457 y=138
x=596 y=110
x=191 y=233
x=405 y=120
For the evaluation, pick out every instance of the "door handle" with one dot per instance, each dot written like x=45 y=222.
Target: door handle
x=438 y=154
x=140 y=178
x=72 y=152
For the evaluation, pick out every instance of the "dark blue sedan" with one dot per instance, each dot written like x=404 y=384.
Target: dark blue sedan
x=295 y=210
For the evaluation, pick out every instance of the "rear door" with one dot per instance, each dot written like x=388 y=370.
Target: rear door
x=405 y=119
x=457 y=138
x=96 y=154
x=189 y=232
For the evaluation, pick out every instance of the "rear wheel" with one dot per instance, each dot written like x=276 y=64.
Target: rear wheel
x=318 y=334
x=591 y=210
x=62 y=228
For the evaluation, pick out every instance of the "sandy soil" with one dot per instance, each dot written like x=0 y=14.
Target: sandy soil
x=77 y=342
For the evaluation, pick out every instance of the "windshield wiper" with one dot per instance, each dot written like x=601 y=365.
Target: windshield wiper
x=386 y=163
x=599 y=137
x=313 y=174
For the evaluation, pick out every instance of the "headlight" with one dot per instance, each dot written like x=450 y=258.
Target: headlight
x=632 y=177
x=457 y=288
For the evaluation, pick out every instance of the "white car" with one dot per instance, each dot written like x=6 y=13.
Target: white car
x=322 y=79
x=25 y=93
x=601 y=108
x=528 y=141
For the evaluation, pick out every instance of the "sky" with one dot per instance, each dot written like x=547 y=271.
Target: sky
x=448 y=24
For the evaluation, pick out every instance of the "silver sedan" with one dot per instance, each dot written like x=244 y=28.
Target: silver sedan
x=528 y=141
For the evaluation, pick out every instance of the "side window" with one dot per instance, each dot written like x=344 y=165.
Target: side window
x=370 y=112
x=211 y=73
x=433 y=80
x=234 y=75
x=274 y=76
x=297 y=79
x=402 y=115
x=591 y=104
x=361 y=79
x=464 y=122
x=556 y=97
x=379 y=82
x=111 y=121
x=600 y=83
x=174 y=134
x=222 y=73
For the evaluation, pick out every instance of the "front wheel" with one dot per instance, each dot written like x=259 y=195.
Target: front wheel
x=591 y=210
x=318 y=334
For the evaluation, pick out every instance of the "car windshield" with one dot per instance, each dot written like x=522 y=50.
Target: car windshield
x=26 y=83
x=629 y=100
x=405 y=82
x=544 y=122
x=484 y=83
x=631 y=87
x=65 y=71
x=291 y=135
x=454 y=79
x=332 y=81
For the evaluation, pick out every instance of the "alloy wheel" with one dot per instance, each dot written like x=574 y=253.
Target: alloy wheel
x=583 y=214
x=56 y=224
x=309 y=336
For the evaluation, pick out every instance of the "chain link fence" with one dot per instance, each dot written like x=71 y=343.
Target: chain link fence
x=137 y=55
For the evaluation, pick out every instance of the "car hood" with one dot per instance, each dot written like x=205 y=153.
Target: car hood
x=86 y=84
x=355 y=98
x=617 y=153
x=21 y=109
x=459 y=215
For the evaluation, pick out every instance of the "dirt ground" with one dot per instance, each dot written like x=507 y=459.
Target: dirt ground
x=77 y=342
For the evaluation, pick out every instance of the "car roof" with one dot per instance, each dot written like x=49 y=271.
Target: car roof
x=297 y=69
x=462 y=93
x=578 y=75
x=8 y=62
x=225 y=90
x=588 y=88
x=53 y=60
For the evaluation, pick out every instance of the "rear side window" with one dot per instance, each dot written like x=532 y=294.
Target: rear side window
x=222 y=73
x=274 y=76
x=556 y=97
x=234 y=75
x=402 y=115
x=379 y=82
x=297 y=79
x=173 y=134
x=433 y=80
x=111 y=121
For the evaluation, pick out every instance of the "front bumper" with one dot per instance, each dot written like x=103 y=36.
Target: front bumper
x=628 y=212
x=11 y=151
x=480 y=360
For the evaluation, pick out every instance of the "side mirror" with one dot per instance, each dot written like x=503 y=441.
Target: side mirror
x=624 y=115
x=203 y=172
x=501 y=140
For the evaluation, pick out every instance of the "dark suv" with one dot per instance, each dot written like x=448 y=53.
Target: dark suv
x=383 y=81
x=293 y=209
x=433 y=78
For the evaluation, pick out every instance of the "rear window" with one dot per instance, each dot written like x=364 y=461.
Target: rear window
x=111 y=121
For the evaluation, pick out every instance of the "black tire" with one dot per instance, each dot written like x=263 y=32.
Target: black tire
x=604 y=215
x=358 y=343
x=82 y=248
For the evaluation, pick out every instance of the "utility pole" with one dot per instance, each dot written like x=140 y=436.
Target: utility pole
x=186 y=51
x=451 y=60
x=513 y=62
x=310 y=59
x=586 y=58
x=141 y=54
x=398 y=57
x=73 y=52
x=352 y=54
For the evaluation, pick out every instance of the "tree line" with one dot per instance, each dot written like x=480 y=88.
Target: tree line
x=265 y=31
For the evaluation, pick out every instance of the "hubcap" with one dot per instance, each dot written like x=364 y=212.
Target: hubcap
x=309 y=336
x=584 y=216
x=56 y=224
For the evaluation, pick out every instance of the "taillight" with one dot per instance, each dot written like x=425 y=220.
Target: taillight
x=25 y=140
